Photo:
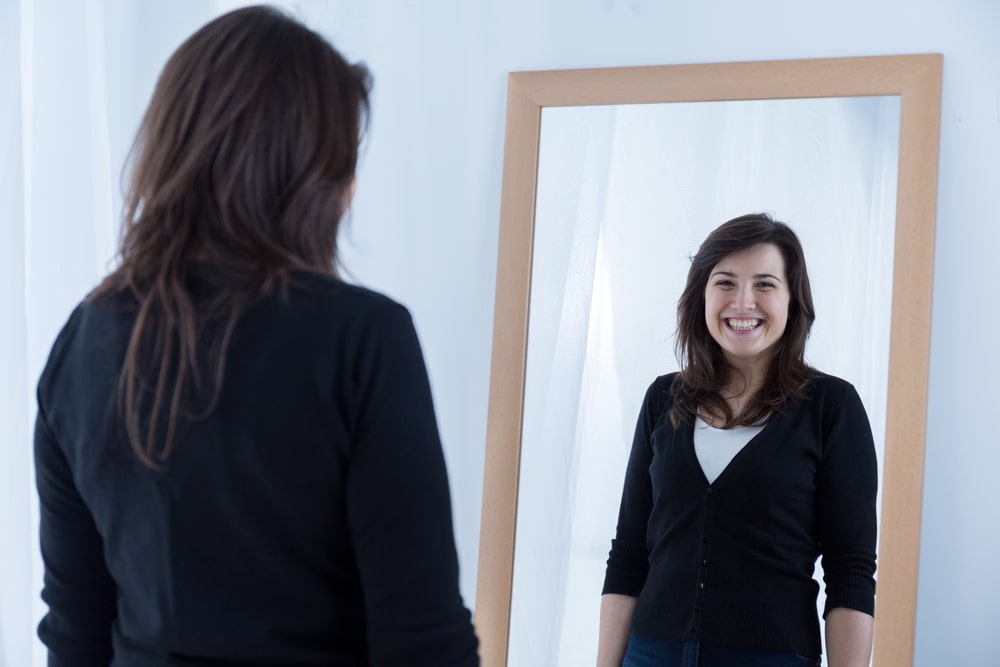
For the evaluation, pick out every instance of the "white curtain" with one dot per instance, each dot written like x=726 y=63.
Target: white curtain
x=76 y=77
x=58 y=229
x=625 y=195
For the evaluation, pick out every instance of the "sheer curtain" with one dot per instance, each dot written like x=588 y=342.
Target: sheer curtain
x=76 y=77
x=625 y=195
x=58 y=236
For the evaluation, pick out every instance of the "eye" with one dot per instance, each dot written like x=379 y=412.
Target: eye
x=765 y=285
x=724 y=282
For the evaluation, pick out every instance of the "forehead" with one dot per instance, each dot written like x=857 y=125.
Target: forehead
x=757 y=259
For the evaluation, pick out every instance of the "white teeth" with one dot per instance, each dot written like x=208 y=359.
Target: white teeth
x=743 y=325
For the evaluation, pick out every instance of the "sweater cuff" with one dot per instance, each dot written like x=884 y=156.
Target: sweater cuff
x=858 y=595
x=622 y=584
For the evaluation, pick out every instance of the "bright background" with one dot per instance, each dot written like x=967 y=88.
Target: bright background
x=75 y=76
x=625 y=196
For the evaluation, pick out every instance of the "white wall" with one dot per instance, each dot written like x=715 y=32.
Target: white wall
x=425 y=220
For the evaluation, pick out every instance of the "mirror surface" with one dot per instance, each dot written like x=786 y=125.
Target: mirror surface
x=625 y=193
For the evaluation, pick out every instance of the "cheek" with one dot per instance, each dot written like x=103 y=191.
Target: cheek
x=780 y=314
x=711 y=314
x=713 y=302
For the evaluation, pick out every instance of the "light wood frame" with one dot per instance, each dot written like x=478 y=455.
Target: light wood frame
x=917 y=80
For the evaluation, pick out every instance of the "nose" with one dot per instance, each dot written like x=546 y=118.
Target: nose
x=743 y=298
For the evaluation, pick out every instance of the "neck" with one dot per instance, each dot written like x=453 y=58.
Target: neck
x=745 y=378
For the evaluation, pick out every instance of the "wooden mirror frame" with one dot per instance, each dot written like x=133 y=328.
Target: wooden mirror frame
x=916 y=79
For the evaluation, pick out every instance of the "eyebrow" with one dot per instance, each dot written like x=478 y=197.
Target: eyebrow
x=730 y=274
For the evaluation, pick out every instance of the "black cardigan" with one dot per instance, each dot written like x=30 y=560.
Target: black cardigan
x=307 y=520
x=731 y=562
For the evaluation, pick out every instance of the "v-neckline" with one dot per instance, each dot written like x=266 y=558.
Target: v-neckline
x=697 y=464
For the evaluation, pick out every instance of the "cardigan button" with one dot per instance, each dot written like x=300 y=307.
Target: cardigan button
x=701 y=584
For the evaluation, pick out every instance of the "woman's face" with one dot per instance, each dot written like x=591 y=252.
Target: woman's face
x=746 y=304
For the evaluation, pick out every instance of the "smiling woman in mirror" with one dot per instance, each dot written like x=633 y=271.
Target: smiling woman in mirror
x=746 y=467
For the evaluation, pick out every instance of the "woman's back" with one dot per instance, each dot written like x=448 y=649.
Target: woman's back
x=306 y=519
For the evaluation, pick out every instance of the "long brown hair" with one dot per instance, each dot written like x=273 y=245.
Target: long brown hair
x=704 y=369
x=243 y=163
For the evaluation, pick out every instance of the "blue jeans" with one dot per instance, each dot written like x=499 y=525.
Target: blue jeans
x=692 y=653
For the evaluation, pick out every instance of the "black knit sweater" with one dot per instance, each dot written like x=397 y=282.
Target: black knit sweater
x=307 y=520
x=731 y=562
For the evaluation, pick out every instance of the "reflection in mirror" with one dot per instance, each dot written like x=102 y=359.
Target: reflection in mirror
x=624 y=196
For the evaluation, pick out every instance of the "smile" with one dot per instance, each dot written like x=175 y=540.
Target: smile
x=743 y=324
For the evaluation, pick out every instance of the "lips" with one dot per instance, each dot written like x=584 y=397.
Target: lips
x=743 y=323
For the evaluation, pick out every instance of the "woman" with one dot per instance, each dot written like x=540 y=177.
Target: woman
x=746 y=466
x=237 y=456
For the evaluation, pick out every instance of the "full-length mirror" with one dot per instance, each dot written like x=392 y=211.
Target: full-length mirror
x=625 y=195
x=612 y=178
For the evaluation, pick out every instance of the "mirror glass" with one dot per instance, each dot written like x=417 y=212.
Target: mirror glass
x=625 y=194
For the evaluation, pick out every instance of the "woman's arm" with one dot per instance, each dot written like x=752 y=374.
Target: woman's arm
x=399 y=508
x=849 y=634
x=847 y=483
x=847 y=488
x=78 y=588
x=628 y=561
x=616 y=616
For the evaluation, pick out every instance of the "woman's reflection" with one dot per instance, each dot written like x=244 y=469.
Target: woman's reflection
x=746 y=466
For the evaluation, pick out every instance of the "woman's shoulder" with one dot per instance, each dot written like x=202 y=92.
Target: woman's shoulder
x=321 y=286
x=829 y=395
x=88 y=343
x=822 y=383
x=659 y=394
x=664 y=383
x=326 y=296
x=97 y=317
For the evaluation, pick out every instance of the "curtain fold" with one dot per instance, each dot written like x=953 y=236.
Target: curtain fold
x=57 y=237
x=16 y=529
x=576 y=196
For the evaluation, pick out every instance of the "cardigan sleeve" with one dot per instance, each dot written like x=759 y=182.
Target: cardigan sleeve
x=628 y=561
x=847 y=484
x=77 y=587
x=399 y=508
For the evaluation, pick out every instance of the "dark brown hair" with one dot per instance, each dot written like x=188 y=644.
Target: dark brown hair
x=704 y=369
x=243 y=163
